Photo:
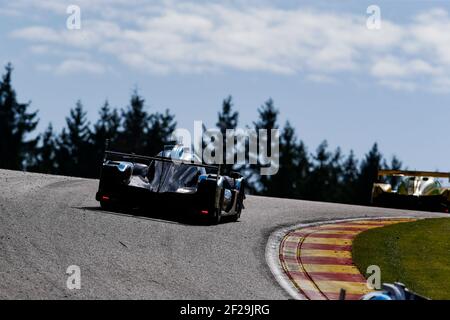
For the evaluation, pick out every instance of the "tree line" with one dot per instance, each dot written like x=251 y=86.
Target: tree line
x=77 y=150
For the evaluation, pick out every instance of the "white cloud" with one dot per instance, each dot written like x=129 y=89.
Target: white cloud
x=73 y=66
x=402 y=85
x=195 y=38
x=441 y=85
x=39 y=49
x=37 y=34
x=319 y=78
x=392 y=67
x=79 y=66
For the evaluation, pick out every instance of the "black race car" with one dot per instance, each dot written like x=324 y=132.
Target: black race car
x=174 y=180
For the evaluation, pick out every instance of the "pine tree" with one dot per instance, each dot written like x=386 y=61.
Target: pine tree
x=44 y=160
x=135 y=125
x=268 y=115
x=160 y=130
x=368 y=175
x=303 y=171
x=287 y=182
x=15 y=124
x=63 y=157
x=227 y=120
x=319 y=178
x=349 y=179
x=75 y=146
x=106 y=128
x=335 y=177
x=396 y=164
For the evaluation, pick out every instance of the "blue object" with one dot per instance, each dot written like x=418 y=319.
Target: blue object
x=377 y=295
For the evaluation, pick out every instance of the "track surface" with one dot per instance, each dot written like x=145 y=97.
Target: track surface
x=48 y=223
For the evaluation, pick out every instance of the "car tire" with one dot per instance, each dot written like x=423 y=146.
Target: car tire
x=108 y=206
x=216 y=217
x=235 y=217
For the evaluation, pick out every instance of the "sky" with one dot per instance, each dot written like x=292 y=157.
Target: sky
x=332 y=72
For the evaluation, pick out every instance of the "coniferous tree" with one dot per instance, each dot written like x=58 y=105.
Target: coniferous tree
x=227 y=120
x=368 y=175
x=395 y=164
x=106 y=128
x=349 y=178
x=74 y=145
x=15 y=124
x=319 y=178
x=325 y=178
x=287 y=181
x=63 y=157
x=135 y=125
x=267 y=120
x=159 y=132
x=44 y=158
x=335 y=177
x=303 y=170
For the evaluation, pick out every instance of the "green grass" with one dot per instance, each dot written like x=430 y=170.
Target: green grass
x=415 y=253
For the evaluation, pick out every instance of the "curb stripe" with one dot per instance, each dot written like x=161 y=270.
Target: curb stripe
x=331 y=235
x=350 y=287
x=332 y=228
x=317 y=260
x=326 y=253
x=326 y=260
x=348 y=296
x=326 y=246
x=335 y=276
x=314 y=295
x=330 y=268
x=333 y=231
x=345 y=242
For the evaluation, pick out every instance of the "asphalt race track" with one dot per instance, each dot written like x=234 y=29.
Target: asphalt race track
x=48 y=223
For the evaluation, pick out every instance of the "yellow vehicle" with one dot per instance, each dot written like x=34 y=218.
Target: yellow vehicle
x=419 y=190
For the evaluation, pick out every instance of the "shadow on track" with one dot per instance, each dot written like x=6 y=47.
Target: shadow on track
x=160 y=215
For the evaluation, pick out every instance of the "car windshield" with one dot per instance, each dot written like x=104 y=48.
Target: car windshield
x=180 y=153
x=169 y=176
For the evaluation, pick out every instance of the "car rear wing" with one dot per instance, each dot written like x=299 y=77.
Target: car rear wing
x=133 y=157
x=408 y=173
